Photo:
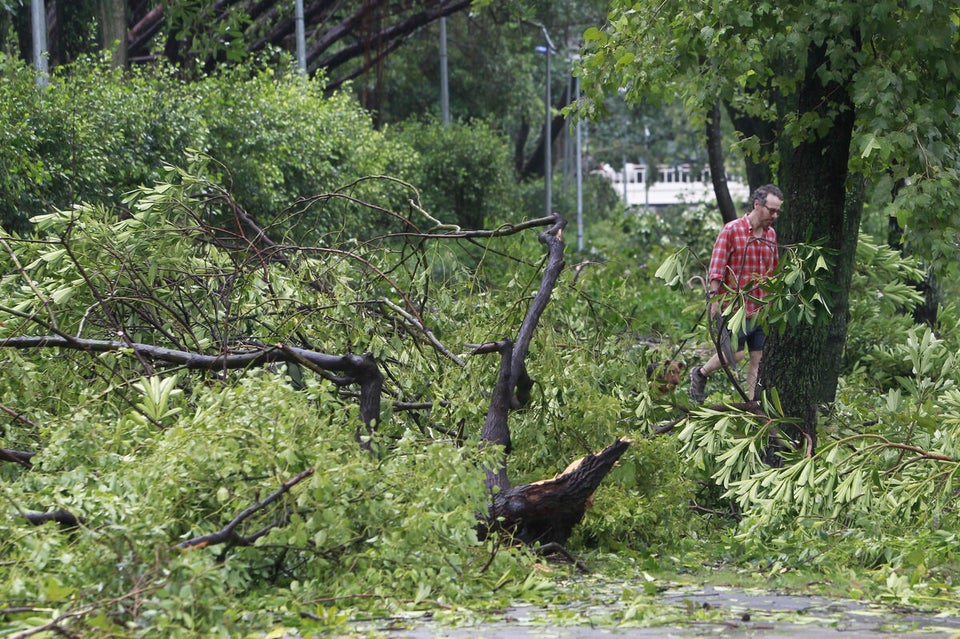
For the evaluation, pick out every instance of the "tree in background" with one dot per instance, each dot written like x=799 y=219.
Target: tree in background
x=839 y=97
x=387 y=52
x=343 y=39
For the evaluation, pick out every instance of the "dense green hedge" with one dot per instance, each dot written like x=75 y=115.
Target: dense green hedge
x=95 y=133
x=464 y=170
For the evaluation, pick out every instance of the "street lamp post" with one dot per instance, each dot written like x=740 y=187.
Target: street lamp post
x=38 y=17
x=444 y=79
x=301 y=37
x=579 y=169
x=548 y=130
x=547 y=135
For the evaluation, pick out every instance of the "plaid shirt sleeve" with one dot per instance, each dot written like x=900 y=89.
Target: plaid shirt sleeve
x=720 y=257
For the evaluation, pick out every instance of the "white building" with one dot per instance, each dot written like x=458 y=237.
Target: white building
x=675 y=184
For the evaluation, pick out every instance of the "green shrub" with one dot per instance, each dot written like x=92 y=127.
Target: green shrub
x=96 y=133
x=463 y=171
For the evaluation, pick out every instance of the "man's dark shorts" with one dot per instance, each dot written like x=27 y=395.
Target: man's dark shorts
x=754 y=338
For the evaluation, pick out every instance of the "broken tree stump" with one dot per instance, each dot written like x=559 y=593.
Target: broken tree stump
x=546 y=511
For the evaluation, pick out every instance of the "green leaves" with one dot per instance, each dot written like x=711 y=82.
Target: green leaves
x=97 y=134
x=463 y=171
x=157 y=393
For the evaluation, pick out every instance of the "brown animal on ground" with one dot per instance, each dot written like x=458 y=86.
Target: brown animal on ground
x=666 y=375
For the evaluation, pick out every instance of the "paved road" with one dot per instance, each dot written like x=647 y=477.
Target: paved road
x=741 y=614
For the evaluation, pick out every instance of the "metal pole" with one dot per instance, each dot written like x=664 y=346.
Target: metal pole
x=646 y=169
x=301 y=38
x=579 y=169
x=548 y=132
x=39 y=23
x=444 y=80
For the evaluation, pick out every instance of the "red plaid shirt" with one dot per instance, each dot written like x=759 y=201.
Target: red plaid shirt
x=741 y=261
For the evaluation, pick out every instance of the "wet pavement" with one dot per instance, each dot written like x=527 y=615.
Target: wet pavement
x=708 y=612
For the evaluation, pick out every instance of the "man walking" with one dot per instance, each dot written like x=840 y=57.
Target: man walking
x=744 y=254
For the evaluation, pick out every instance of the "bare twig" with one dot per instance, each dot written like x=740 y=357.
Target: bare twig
x=417 y=323
x=17 y=416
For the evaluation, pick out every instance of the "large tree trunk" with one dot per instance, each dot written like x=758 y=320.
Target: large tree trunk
x=844 y=266
x=114 y=20
x=802 y=363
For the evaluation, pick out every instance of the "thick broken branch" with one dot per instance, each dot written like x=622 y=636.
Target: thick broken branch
x=17 y=457
x=553 y=239
x=354 y=369
x=513 y=366
x=547 y=511
x=495 y=427
x=66 y=519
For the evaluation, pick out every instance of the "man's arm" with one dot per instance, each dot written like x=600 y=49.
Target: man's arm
x=719 y=259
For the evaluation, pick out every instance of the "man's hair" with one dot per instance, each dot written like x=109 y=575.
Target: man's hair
x=762 y=193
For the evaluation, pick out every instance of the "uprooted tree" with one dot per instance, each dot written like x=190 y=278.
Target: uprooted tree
x=189 y=282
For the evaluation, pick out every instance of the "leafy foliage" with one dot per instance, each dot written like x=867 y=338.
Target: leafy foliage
x=95 y=134
x=904 y=98
x=391 y=527
x=470 y=180
x=220 y=257
x=878 y=493
x=825 y=92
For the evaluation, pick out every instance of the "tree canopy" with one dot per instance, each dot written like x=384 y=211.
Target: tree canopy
x=843 y=100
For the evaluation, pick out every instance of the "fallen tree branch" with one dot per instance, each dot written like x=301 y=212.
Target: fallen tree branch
x=752 y=407
x=57 y=626
x=66 y=519
x=417 y=324
x=355 y=369
x=226 y=534
x=17 y=457
x=547 y=511
x=187 y=359
x=513 y=355
x=17 y=416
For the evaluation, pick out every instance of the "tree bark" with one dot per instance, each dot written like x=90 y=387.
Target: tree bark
x=113 y=15
x=844 y=267
x=513 y=368
x=718 y=173
x=495 y=427
x=547 y=511
x=799 y=362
